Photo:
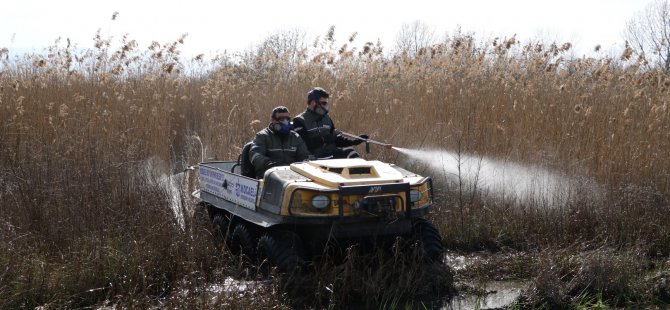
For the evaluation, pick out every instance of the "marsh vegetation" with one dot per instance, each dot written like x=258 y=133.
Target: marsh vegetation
x=83 y=222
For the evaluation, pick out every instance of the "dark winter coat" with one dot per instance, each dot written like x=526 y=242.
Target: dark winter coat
x=272 y=149
x=319 y=134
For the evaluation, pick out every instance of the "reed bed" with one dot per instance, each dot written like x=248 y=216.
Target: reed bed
x=83 y=225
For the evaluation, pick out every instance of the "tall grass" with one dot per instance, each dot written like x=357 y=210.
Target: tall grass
x=80 y=223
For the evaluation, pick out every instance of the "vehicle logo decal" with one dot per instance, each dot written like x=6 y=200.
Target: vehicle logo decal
x=375 y=189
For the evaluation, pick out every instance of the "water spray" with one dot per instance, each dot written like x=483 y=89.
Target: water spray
x=516 y=182
x=522 y=183
x=202 y=153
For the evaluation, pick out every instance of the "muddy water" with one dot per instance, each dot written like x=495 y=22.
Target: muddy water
x=475 y=294
x=493 y=295
x=233 y=285
x=480 y=295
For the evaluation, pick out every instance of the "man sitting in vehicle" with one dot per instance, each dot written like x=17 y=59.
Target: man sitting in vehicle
x=317 y=129
x=277 y=144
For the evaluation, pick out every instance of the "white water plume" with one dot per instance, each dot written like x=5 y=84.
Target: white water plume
x=203 y=150
x=513 y=182
x=176 y=187
x=169 y=184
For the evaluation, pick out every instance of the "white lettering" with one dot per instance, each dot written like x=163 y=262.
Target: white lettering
x=375 y=189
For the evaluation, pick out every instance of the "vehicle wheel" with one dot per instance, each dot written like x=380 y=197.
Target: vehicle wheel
x=429 y=239
x=201 y=211
x=242 y=241
x=220 y=224
x=283 y=249
x=201 y=218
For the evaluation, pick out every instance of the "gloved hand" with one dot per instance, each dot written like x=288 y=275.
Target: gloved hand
x=271 y=164
x=361 y=139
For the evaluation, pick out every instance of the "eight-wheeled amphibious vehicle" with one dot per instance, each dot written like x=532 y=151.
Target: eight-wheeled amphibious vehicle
x=294 y=211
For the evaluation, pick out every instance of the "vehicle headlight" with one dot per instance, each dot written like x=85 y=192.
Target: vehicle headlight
x=414 y=195
x=320 y=201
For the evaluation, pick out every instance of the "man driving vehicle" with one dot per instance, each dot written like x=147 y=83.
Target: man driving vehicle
x=277 y=144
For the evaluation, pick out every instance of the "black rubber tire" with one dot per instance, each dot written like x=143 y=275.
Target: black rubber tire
x=201 y=217
x=206 y=208
x=201 y=210
x=283 y=249
x=429 y=239
x=220 y=227
x=242 y=241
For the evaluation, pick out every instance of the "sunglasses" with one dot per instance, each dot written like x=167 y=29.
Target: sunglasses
x=285 y=118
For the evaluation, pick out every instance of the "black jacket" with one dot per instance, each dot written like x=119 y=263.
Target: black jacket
x=319 y=133
x=272 y=149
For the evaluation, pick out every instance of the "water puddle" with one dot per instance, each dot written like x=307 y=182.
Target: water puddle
x=233 y=285
x=492 y=295
x=216 y=292
x=481 y=295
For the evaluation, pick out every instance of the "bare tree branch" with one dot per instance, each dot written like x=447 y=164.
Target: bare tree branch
x=413 y=37
x=649 y=33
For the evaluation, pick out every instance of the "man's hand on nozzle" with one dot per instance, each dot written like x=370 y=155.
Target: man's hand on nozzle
x=361 y=139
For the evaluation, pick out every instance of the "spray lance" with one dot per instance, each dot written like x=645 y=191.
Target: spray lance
x=367 y=141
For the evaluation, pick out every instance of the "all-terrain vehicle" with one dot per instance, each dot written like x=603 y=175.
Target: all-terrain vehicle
x=295 y=211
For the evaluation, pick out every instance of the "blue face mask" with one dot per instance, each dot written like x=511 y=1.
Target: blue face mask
x=285 y=127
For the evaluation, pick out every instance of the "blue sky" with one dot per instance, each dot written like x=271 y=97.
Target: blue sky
x=215 y=26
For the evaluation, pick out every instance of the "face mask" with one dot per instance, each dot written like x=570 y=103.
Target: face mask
x=283 y=127
x=321 y=110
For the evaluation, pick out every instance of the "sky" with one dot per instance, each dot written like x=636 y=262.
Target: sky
x=217 y=26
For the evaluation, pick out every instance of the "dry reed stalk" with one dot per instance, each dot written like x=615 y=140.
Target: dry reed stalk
x=77 y=126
